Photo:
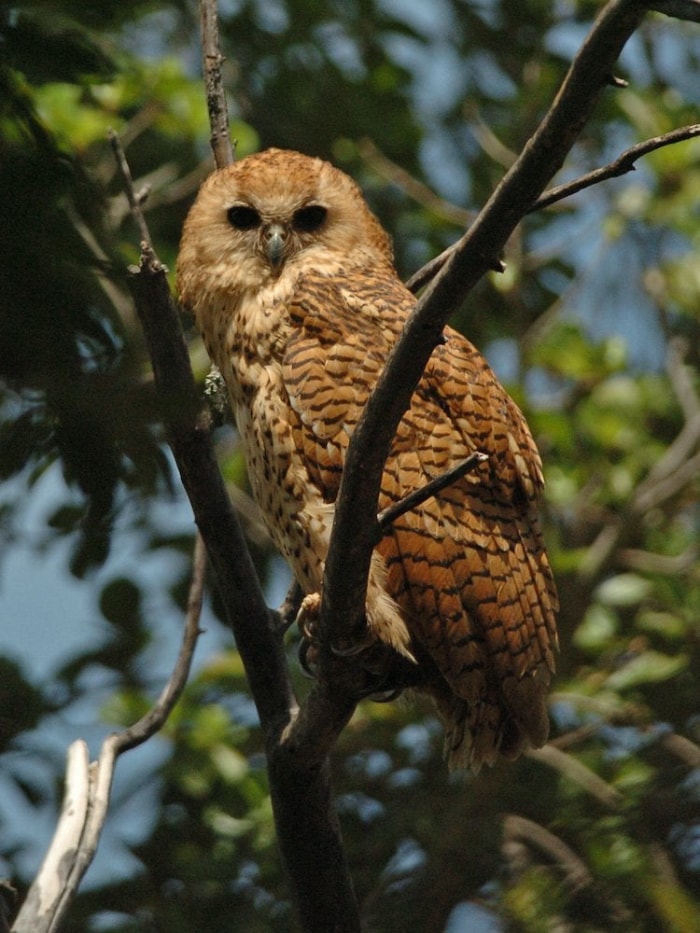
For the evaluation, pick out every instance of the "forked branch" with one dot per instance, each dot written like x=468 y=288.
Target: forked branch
x=348 y=563
x=624 y=163
x=88 y=787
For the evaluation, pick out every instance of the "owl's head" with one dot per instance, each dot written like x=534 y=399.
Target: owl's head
x=275 y=213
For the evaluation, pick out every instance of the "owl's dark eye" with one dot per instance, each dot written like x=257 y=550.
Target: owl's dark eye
x=243 y=218
x=308 y=219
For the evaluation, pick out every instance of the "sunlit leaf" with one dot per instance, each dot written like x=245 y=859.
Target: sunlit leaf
x=645 y=668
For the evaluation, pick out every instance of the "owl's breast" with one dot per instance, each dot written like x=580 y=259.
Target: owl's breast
x=294 y=513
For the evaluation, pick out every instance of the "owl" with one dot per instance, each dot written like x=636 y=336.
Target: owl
x=291 y=281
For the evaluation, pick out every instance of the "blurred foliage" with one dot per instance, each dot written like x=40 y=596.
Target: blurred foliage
x=594 y=326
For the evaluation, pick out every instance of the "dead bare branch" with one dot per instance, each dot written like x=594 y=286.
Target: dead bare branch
x=623 y=164
x=88 y=787
x=212 y=60
x=389 y=515
x=128 y=186
x=154 y=720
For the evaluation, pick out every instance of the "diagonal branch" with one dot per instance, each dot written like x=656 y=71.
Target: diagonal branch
x=390 y=514
x=347 y=566
x=188 y=427
x=623 y=164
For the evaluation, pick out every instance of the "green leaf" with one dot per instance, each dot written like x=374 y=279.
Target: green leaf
x=598 y=628
x=647 y=667
x=625 y=589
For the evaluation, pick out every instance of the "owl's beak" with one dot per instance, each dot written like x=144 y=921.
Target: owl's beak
x=275 y=239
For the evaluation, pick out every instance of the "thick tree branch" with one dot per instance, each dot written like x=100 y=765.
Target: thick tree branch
x=307 y=828
x=347 y=566
x=188 y=427
x=679 y=9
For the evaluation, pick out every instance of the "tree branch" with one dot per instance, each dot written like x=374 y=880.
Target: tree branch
x=307 y=827
x=679 y=9
x=623 y=164
x=188 y=427
x=389 y=515
x=574 y=869
x=88 y=787
x=414 y=188
x=212 y=60
x=347 y=566
x=576 y=771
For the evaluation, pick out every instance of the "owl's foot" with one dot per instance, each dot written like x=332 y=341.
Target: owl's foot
x=307 y=620
x=383 y=677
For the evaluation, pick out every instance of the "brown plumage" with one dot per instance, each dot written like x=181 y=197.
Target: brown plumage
x=291 y=280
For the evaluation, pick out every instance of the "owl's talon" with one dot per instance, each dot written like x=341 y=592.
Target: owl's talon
x=384 y=696
x=355 y=647
x=307 y=616
x=308 y=656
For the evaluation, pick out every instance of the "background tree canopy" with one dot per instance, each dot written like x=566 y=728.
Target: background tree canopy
x=595 y=329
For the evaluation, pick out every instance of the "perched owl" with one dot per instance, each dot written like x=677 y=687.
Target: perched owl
x=291 y=280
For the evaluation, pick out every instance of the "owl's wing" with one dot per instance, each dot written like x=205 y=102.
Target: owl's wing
x=468 y=567
x=341 y=336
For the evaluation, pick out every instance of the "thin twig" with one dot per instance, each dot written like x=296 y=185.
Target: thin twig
x=414 y=188
x=623 y=164
x=212 y=60
x=156 y=717
x=389 y=515
x=128 y=186
x=487 y=139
